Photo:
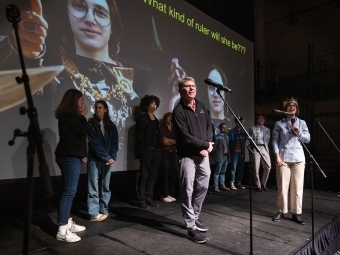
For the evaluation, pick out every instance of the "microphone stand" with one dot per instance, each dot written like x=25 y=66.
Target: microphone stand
x=33 y=134
x=312 y=160
x=250 y=148
x=318 y=120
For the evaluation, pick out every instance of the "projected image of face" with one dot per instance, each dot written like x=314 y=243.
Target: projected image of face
x=109 y=53
x=90 y=22
x=215 y=101
x=216 y=104
x=96 y=30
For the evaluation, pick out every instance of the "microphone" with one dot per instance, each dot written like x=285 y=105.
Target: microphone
x=13 y=13
x=282 y=112
x=293 y=122
x=218 y=86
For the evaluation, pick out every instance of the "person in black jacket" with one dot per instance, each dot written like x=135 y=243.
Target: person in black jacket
x=70 y=153
x=194 y=135
x=103 y=147
x=147 y=150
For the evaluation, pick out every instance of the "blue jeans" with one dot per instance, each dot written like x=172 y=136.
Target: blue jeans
x=219 y=175
x=70 y=171
x=237 y=165
x=98 y=188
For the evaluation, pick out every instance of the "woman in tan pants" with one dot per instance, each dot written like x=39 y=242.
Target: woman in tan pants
x=290 y=161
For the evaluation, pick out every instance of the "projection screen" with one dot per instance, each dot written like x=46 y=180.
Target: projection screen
x=151 y=45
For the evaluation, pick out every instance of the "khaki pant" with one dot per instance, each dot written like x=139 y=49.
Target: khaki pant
x=290 y=174
x=256 y=164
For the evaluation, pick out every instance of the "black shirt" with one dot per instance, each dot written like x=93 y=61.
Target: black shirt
x=72 y=135
x=193 y=129
x=147 y=134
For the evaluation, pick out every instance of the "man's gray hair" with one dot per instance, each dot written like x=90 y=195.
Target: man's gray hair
x=181 y=82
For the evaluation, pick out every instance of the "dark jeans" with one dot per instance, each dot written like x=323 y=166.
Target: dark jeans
x=149 y=165
x=70 y=170
x=169 y=169
x=219 y=174
x=237 y=165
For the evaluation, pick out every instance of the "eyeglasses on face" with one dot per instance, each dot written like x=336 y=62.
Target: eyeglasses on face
x=80 y=9
x=189 y=86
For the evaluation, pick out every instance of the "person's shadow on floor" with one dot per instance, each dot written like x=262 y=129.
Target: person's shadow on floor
x=41 y=219
x=149 y=219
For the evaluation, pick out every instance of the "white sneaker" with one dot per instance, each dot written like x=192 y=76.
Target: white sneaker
x=167 y=199
x=232 y=186
x=99 y=217
x=172 y=198
x=68 y=236
x=74 y=227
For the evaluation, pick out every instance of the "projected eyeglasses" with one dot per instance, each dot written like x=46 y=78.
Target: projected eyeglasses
x=80 y=9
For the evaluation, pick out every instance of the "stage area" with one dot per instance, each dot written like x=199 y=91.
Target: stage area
x=161 y=230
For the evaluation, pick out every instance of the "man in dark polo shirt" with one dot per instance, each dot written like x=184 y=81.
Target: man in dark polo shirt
x=194 y=143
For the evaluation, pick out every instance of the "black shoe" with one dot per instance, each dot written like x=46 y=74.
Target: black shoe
x=259 y=189
x=151 y=203
x=297 y=219
x=197 y=236
x=143 y=205
x=200 y=226
x=277 y=216
x=239 y=186
x=264 y=188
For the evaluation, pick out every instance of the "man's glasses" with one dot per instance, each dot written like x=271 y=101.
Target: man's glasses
x=189 y=86
x=79 y=10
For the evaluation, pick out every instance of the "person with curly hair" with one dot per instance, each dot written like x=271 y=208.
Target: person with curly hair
x=147 y=150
